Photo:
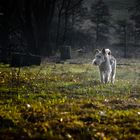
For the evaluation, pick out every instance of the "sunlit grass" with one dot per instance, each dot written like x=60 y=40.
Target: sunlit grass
x=67 y=101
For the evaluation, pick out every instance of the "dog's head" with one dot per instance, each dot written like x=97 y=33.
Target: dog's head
x=100 y=56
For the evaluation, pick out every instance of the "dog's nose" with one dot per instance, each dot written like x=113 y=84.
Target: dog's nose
x=95 y=63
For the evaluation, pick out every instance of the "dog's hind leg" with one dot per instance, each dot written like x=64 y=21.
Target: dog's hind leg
x=113 y=77
x=113 y=73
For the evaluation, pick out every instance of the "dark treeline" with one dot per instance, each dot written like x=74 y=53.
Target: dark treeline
x=41 y=27
x=36 y=26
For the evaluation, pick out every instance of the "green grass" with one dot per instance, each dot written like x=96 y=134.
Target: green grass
x=56 y=101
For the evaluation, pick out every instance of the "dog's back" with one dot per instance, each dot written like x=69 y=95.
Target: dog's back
x=112 y=60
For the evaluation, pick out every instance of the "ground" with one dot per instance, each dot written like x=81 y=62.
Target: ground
x=67 y=101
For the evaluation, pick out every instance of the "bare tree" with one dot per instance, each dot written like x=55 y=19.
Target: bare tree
x=123 y=31
x=100 y=16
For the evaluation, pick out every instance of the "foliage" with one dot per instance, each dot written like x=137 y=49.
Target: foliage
x=56 y=101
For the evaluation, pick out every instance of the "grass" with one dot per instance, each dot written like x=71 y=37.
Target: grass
x=67 y=101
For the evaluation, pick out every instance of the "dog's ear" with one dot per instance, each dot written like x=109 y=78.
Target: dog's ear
x=108 y=51
x=96 y=51
x=103 y=51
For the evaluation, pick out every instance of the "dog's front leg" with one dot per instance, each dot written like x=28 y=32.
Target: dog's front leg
x=102 y=76
x=107 y=77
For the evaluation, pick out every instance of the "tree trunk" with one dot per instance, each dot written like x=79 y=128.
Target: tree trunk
x=29 y=30
x=97 y=35
x=66 y=21
x=58 y=24
x=65 y=28
x=65 y=52
x=125 y=41
x=5 y=31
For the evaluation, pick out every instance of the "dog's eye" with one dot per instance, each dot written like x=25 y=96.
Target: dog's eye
x=99 y=56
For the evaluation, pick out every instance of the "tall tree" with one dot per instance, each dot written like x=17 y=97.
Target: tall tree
x=135 y=17
x=122 y=32
x=66 y=13
x=100 y=16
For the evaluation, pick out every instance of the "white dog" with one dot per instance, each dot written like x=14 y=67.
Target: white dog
x=107 y=65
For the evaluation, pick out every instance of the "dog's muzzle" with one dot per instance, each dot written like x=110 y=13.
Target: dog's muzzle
x=94 y=62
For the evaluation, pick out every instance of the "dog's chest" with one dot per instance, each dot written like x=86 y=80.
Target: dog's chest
x=106 y=66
